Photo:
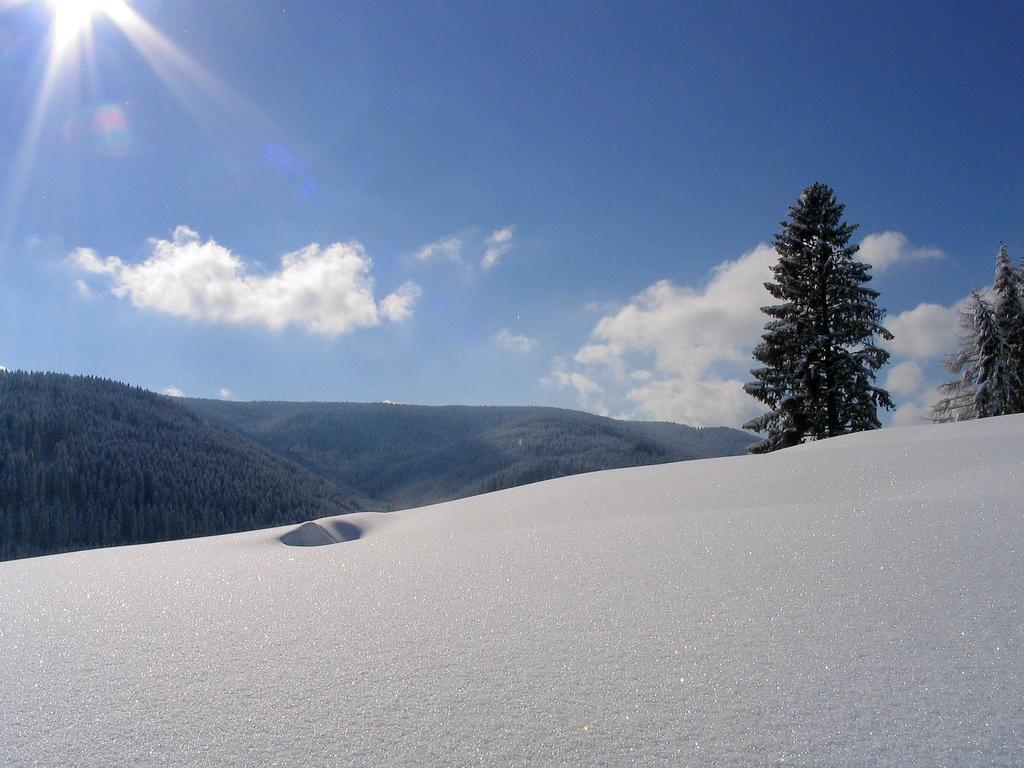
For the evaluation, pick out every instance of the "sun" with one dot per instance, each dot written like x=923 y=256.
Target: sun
x=73 y=18
x=71 y=64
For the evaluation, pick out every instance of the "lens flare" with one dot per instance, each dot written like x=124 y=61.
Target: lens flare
x=111 y=132
x=288 y=167
x=225 y=117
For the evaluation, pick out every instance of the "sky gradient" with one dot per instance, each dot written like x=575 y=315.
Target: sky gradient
x=525 y=203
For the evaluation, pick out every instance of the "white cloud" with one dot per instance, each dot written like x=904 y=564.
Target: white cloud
x=452 y=248
x=916 y=408
x=910 y=414
x=3 y=367
x=87 y=259
x=602 y=354
x=83 y=290
x=397 y=306
x=515 y=342
x=589 y=394
x=324 y=290
x=924 y=332
x=887 y=248
x=678 y=353
x=905 y=378
x=499 y=242
x=449 y=248
x=173 y=392
x=574 y=380
x=923 y=336
x=710 y=401
x=687 y=330
x=224 y=393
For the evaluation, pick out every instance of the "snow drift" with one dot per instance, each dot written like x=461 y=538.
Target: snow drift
x=854 y=602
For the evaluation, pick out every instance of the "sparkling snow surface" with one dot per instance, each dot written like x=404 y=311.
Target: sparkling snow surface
x=857 y=602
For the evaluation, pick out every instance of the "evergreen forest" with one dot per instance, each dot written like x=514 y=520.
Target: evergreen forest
x=88 y=462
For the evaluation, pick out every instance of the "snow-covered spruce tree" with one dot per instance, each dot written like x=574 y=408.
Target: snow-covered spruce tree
x=1008 y=311
x=979 y=366
x=989 y=365
x=818 y=353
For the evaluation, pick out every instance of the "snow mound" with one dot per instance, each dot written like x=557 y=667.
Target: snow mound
x=854 y=602
x=316 y=533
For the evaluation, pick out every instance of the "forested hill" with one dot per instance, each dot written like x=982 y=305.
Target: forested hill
x=87 y=462
x=407 y=455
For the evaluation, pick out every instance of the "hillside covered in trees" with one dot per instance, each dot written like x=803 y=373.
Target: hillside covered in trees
x=86 y=462
x=409 y=455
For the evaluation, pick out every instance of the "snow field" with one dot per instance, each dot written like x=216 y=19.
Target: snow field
x=858 y=601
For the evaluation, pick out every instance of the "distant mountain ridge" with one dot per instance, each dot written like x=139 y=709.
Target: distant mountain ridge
x=88 y=462
x=410 y=455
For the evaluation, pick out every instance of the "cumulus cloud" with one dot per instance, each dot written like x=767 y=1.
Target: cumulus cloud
x=324 y=290
x=515 y=342
x=926 y=331
x=905 y=378
x=924 y=336
x=678 y=352
x=499 y=242
x=709 y=401
x=687 y=330
x=884 y=249
x=915 y=409
x=173 y=392
x=87 y=259
x=573 y=380
x=397 y=306
x=224 y=393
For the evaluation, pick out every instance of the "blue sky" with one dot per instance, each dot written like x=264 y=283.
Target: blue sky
x=483 y=203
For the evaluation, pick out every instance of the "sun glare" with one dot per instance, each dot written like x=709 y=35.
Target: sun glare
x=73 y=18
x=70 y=50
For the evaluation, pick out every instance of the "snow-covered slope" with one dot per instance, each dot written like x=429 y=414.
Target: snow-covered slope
x=855 y=602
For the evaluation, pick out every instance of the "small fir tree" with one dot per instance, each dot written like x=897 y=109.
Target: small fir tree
x=989 y=365
x=818 y=355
